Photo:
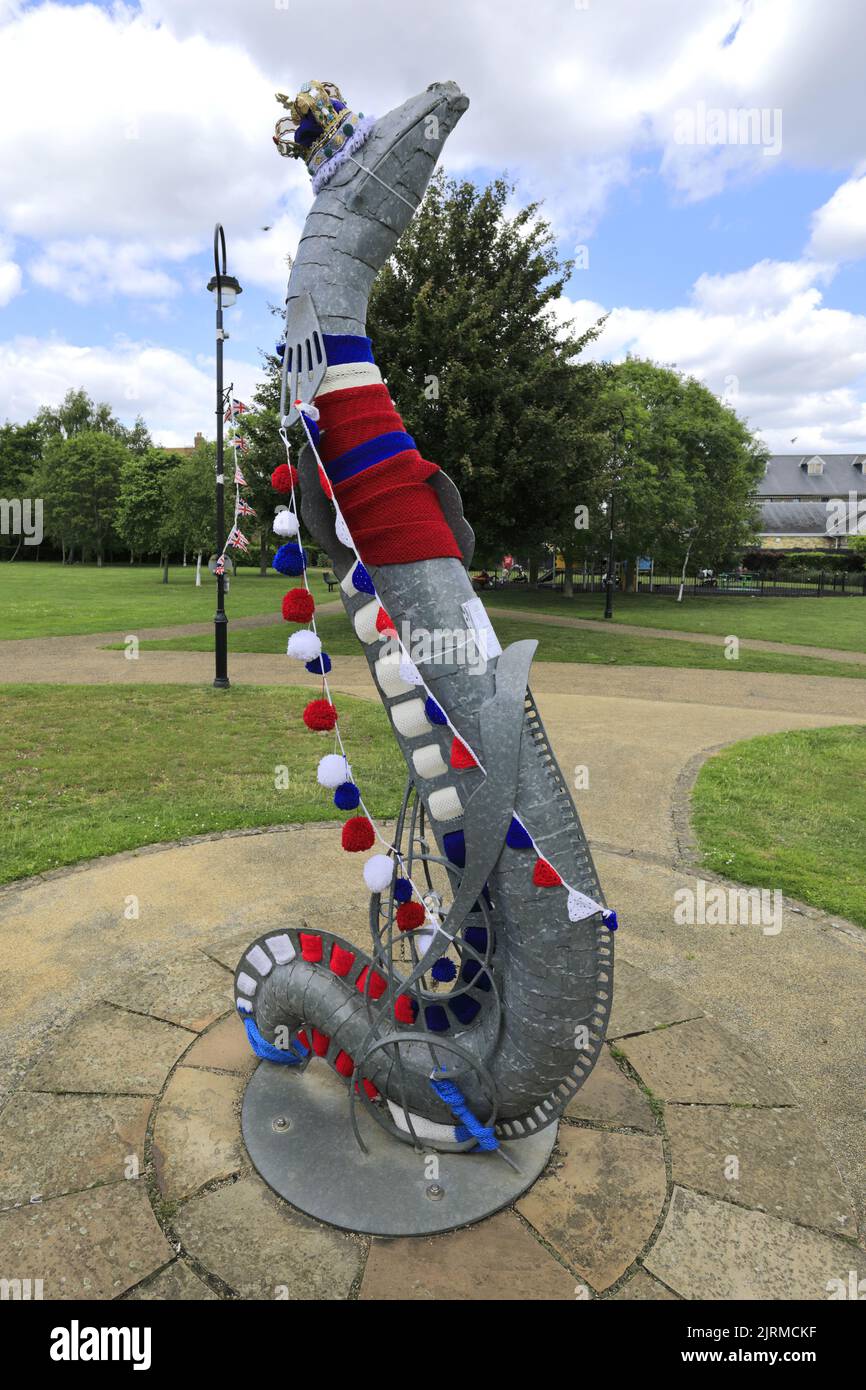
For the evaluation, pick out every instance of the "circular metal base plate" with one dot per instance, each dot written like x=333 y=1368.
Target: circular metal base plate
x=297 y=1130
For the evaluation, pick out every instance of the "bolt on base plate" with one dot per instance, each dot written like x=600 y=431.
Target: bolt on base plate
x=297 y=1131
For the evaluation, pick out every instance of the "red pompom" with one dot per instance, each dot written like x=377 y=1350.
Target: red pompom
x=369 y=1088
x=410 y=915
x=284 y=478
x=321 y=1042
x=404 y=1009
x=321 y=714
x=385 y=624
x=460 y=755
x=343 y=1063
x=544 y=875
x=302 y=1038
x=326 y=484
x=298 y=606
x=341 y=961
x=358 y=834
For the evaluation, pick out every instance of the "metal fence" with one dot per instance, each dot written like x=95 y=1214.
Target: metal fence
x=791 y=585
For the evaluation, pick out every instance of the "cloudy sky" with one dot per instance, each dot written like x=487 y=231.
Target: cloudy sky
x=735 y=250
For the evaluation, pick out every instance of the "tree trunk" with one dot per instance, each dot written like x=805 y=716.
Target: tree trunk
x=99 y=558
x=184 y=557
x=533 y=569
x=263 y=554
x=198 y=571
x=568 y=575
x=132 y=557
x=164 y=559
x=683 y=575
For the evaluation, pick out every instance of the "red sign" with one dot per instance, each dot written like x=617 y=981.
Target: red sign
x=507 y=562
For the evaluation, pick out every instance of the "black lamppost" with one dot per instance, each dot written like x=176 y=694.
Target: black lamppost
x=226 y=290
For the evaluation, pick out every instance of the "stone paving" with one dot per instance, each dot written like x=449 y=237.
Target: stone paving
x=123 y=1172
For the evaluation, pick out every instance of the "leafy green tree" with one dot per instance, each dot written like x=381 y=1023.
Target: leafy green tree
x=142 y=499
x=80 y=481
x=187 y=519
x=20 y=456
x=77 y=413
x=485 y=377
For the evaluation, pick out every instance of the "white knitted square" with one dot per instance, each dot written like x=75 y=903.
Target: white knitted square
x=428 y=761
x=391 y=683
x=365 y=622
x=410 y=720
x=444 y=804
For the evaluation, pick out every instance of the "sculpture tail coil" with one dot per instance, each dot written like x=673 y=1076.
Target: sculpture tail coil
x=488 y=821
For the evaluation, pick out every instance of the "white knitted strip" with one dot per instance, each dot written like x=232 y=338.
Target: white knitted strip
x=348 y=374
x=425 y=1129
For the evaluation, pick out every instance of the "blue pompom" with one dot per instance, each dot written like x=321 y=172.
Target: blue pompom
x=320 y=665
x=290 y=559
x=402 y=890
x=434 y=712
x=347 y=796
x=362 y=581
x=444 y=970
x=609 y=918
x=436 y=1018
x=280 y=349
x=476 y=937
x=454 y=844
x=518 y=837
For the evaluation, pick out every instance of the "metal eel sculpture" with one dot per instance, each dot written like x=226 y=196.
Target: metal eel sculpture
x=537 y=987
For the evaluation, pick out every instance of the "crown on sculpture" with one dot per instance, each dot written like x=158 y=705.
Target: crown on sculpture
x=320 y=128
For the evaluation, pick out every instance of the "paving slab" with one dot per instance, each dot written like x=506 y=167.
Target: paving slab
x=262 y=1248
x=176 y=1284
x=52 y=1144
x=191 y=991
x=496 y=1261
x=642 y=1288
x=224 y=1047
x=780 y=1167
x=701 y=1063
x=91 y=1245
x=708 y=1249
x=599 y=1207
x=197 y=1133
x=109 y=1050
x=610 y=1097
x=641 y=1003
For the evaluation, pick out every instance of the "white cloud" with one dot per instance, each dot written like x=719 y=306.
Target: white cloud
x=261 y=258
x=839 y=227
x=174 y=394
x=10 y=273
x=763 y=340
x=96 y=268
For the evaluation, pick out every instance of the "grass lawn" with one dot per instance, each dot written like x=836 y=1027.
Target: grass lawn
x=93 y=770
x=813 y=622
x=555 y=644
x=788 y=811
x=52 y=600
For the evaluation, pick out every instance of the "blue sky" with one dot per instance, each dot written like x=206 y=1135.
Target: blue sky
x=130 y=129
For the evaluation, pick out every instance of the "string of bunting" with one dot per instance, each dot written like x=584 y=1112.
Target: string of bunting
x=236 y=540
x=360 y=832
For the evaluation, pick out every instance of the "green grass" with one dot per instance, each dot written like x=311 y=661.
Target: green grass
x=50 y=600
x=788 y=811
x=812 y=622
x=93 y=770
x=582 y=645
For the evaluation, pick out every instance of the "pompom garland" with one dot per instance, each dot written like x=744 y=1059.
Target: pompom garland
x=444 y=970
x=544 y=875
x=304 y=645
x=402 y=890
x=410 y=915
x=333 y=770
x=320 y=715
x=298 y=606
x=358 y=834
x=320 y=665
x=284 y=477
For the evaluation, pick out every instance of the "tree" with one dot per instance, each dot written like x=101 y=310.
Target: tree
x=187 y=520
x=20 y=455
x=262 y=428
x=684 y=471
x=485 y=377
x=77 y=413
x=80 y=481
x=142 y=500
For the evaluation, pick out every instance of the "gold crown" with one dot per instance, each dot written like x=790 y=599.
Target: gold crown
x=314 y=102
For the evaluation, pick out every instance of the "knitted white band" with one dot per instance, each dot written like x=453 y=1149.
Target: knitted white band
x=348 y=374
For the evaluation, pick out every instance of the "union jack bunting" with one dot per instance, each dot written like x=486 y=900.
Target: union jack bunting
x=235 y=408
x=244 y=508
x=240 y=480
x=238 y=540
x=240 y=443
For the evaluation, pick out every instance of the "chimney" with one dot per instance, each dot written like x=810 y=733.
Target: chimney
x=199 y=439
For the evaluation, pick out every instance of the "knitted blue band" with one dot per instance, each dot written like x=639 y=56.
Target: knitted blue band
x=384 y=446
x=345 y=347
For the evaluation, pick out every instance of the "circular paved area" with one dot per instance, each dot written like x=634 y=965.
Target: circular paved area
x=701 y=1160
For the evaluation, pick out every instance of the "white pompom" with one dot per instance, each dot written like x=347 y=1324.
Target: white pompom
x=409 y=672
x=304 y=645
x=286 y=523
x=333 y=771
x=423 y=942
x=311 y=411
x=344 y=535
x=378 y=872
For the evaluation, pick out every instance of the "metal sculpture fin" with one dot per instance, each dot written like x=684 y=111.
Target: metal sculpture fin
x=304 y=360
